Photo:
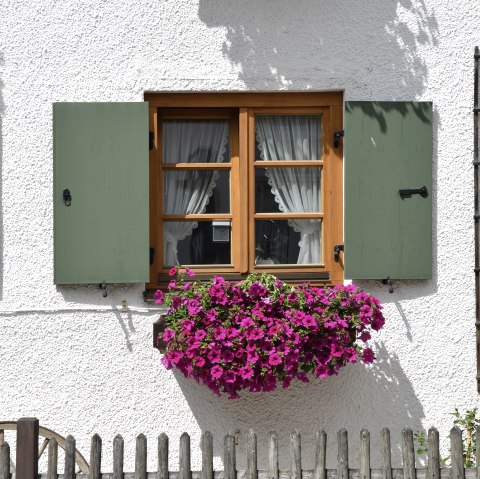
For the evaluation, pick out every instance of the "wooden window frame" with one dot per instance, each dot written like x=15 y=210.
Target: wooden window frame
x=241 y=108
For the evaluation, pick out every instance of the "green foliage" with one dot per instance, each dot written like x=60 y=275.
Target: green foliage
x=468 y=424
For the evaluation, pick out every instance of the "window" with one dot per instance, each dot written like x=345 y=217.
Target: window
x=234 y=181
x=246 y=182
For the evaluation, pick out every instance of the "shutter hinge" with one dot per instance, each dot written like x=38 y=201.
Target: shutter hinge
x=336 y=252
x=152 y=255
x=336 y=137
x=150 y=140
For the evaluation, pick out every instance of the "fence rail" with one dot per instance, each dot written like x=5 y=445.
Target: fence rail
x=27 y=458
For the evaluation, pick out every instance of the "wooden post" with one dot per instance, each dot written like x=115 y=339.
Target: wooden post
x=433 y=465
x=229 y=457
x=295 y=456
x=162 y=472
x=478 y=452
x=386 y=455
x=273 y=456
x=27 y=448
x=456 y=453
x=52 y=459
x=364 y=454
x=342 y=455
x=118 y=455
x=320 y=471
x=252 y=472
x=184 y=471
x=95 y=458
x=4 y=461
x=408 y=453
x=69 y=469
x=207 y=455
x=141 y=457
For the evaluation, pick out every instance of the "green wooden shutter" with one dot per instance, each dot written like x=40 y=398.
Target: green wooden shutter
x=101 y=157
x=388 y=147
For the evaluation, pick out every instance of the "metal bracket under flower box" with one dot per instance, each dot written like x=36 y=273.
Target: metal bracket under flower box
x=158 y=329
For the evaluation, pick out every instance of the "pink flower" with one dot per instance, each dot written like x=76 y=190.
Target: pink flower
x=246 y=322
x=200 y=334
x=246 y=372
x=252 y=356
x=199 y=362
x=173 y=271
x=274 y=359
x=227 y=356
x=365 y=336
x=368 y=356
x=255 y=334
x=216 y=372
x=171 y=285
x=158 y=296
x=175 y=356
x=229 y=377
x=168 y=334
x=189 y=272
x=219 y=333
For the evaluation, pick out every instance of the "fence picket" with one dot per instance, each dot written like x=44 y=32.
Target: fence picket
x=273 y=456
x=4 y=461
x=478 y=452
x=184 y=471
x=69 y=469
x=229 y=457
x=408 y=453
x=342 y=455
x=386 y=454
x=207 y=455
x=141 y=457
x=162 y=472
x=118 y=452
x=52 y=467
x=95 y=458
x=295 y=456
x=456 y=452
x=433 y=464
x=364 y=454
x=320 y=471
x=252 y=472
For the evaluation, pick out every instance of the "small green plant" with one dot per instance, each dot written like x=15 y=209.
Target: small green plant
x=468 y=424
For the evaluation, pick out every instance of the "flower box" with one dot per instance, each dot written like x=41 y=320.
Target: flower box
x=259 y=332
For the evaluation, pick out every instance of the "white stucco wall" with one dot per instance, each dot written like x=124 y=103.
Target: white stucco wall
x=81 y=370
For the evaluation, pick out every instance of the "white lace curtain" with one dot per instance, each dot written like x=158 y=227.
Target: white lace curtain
x=189 y=191
x=296 y=190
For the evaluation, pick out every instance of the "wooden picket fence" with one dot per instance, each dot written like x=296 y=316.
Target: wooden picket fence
x=27 y=458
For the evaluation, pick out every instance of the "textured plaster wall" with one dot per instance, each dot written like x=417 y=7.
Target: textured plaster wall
x=71 y=358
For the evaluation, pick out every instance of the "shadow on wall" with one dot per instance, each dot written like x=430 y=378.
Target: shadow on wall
x=284 y=43
x=373 y=397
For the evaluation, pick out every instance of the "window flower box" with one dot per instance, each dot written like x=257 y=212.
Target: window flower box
x=260 y=332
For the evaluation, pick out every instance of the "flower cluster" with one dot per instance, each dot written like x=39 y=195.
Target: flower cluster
x=259 y=332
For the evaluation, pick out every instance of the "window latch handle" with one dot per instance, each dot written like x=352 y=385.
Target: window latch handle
x=67 y=197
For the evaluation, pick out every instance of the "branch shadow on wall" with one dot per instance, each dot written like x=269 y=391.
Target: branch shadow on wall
x=380 y=395
x=324 y=44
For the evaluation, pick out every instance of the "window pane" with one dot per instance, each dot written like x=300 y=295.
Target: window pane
x=290 y=190
x=196 y=191
x=287 y=242
x=287 y=137
x=196 y=141
x=191 y=242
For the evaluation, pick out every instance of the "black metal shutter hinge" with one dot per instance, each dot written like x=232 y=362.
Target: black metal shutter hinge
x=336 y=252
x=336 y=137
x=152 y=255
x=150 y=140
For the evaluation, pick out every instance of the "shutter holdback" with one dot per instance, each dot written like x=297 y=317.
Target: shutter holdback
x=103 y=287
x=388 y=281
